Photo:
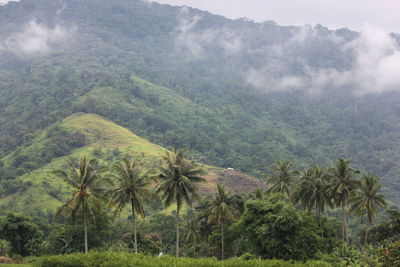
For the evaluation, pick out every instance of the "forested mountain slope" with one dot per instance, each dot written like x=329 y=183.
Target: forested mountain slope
x=235 y=93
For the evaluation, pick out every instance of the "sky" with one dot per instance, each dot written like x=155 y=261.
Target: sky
x=353 y=14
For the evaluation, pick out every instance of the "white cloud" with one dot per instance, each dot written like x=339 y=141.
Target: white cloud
x=197 y=41
x=35 y=39
x=2 y=2
x=375 y=67
x=377 y=64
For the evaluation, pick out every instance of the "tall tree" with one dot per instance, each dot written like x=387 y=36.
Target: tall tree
x=342 y=187
x=367 y=198
x=178 y=183
x=282 y=179
x=220 y=212
x=132 y=188
x=192 y=229
x=84 y=177
x=313 y=191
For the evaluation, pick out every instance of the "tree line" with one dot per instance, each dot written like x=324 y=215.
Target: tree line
x=286 y=219
x=313 y=190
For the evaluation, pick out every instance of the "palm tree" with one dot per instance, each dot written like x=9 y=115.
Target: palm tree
x=177 y=184
x=282 y=178
x=257 y=194
x=132 y=188
x=313 y=191
x=85 y=179
x=220 y=212
x=342 y=187
x=192 y=230
x=367 y=199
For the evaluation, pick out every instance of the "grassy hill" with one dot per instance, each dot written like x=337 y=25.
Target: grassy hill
x=43 y=191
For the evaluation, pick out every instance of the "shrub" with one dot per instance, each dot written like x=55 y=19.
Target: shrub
x=274 y=229
x=106 y=259
x=390 y=254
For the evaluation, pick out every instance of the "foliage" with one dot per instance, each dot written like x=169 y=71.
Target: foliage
x=178 y=183
x=282 y=179
x=367 y=199
x=274 y=229
x=343 y=185
x=69 y=237
x=169 y=96
x=132 y=188
x=351 y=256
x=387 y=230
x=221 y=212
x=18 y=230
x=390 y=254
x=95 y=259
x=84 y=177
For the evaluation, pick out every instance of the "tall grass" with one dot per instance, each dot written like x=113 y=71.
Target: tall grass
x=106 y=259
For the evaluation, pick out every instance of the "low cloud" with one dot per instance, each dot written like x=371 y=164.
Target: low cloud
x=35 y=39
x=375 y=66
x=196 y=41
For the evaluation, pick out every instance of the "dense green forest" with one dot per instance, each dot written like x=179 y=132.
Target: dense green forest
x=203 y=93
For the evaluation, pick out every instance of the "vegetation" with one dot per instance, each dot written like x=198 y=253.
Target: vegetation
x=177 y=184
x=170 y=97
x=125 y=260
x=74 y=107
x=220 y=212
x=259 y=225
x=84 y=178
x=132 y=189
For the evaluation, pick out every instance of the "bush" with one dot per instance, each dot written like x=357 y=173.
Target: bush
x=390 y=254
x=274 y=229
x=106 y=259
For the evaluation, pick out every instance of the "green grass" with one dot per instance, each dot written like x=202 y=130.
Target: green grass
x=105 y=259
x=48 y=192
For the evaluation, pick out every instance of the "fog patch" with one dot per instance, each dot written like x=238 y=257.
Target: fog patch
x=36 y=39
x=197 y=41
x=375 y=67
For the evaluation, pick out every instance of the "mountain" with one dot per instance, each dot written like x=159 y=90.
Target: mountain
x=236 y=93
x=95 y=136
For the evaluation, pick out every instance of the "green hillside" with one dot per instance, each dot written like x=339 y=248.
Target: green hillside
x=213 y=88
x=41 y=191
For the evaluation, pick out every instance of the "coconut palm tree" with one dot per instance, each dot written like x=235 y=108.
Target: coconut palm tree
x=84 y=177
x=282 y=179
x=132 y=188
x=367 y=198
x=257 y=194
x=220 y=212
x=342 y=187
x=178 y=178
x=192 y=229
x=313 y=191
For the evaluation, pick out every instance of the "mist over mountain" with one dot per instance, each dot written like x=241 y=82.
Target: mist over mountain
x=236 y=93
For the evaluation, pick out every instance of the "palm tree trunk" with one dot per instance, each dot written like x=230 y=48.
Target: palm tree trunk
x=319 y=217
x=134 y=227
x=194 y=249
x=177 y=232
x=85 y=226
x=367 y=230
x=343 y=222
x=346 y=226
x=222 y=241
